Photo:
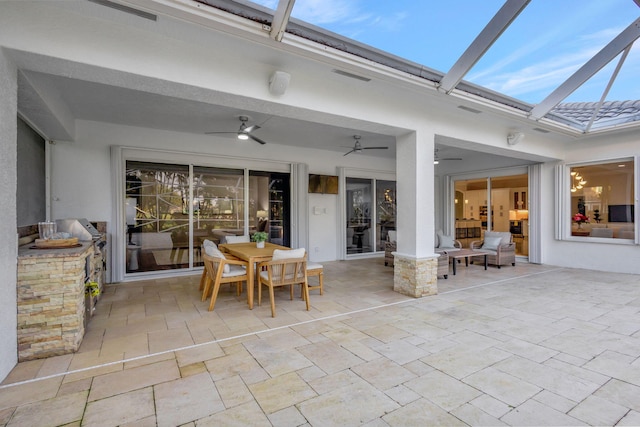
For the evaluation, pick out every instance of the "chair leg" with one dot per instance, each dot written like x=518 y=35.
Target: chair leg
x=273 y=302
x=214 y=295
x=206 y=288
x=203 y=278
x=305 y=287
x=321 y=280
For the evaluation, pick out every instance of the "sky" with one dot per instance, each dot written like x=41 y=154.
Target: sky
x=545 y=45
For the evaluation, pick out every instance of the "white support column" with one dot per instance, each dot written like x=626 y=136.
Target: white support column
x=8 y=226
x=415 y=263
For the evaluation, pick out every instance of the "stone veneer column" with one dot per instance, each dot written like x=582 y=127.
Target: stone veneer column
x=415 y=277
x=50 y=303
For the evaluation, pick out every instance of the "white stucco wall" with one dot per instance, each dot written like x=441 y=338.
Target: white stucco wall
x=9 y=246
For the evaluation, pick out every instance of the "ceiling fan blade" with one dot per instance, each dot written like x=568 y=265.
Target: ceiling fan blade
x=375 y=148
x=251 y=128
x=256 y=139
x=451 y=158
x=350 y=152
x=220 y=133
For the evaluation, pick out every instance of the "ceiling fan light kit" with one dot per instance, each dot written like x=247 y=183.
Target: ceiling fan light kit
x=244 y=132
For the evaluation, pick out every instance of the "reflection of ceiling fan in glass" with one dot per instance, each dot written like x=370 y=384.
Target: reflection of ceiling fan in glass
x=437 y=160
x=357 y=147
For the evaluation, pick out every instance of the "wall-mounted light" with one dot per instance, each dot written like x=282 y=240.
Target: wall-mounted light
x=261 y=214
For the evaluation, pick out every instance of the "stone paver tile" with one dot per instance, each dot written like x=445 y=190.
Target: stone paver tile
x=353 y=404
x=331 y=382
x=474 y=416
x=577 y=371
x=491 y=405
x=527 y=350
x=133 y=379
x=55 y=365
x=120 y=409
x=137 y=344
x=193 y=369
x=248 y=414
x=169 y=339
x=400 y=351
x=558 y=403
x=418 y=367
x=199 y=353
x=29 y=392
x=361 y=350
x=282 y=339
x=329 y=357
x=287 y=417
x=24 y=371
x=383 y=373
x=277 y=361
x=386 y=333
x=53 y=412
x=532 y=413
x=502 y=386
x=632 y=419
x=149 y=421
x=421 y=413
x=598 y=411
x=239 y=362
x=460 y=363
x=617 y=366
x=311 y=373
x=186 y=399
x=622 y=393
x=443 y=390
x=548 y=378
x=402 y=394
x=75 y=387
x=278 y=393
x=233 y=391
x=5 y=415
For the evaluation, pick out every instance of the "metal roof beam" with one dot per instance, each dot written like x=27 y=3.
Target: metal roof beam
x=281 y=19
x=599 y=60
x=500 y=22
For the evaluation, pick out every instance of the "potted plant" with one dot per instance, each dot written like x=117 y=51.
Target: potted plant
x=259 y=237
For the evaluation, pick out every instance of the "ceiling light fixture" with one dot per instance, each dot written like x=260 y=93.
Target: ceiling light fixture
x=243 y=136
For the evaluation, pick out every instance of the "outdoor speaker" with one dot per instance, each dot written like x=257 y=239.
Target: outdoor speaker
x=279 y=82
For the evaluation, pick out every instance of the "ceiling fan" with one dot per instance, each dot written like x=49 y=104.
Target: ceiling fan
x=357 y=147
x=244 y=133
x=437 y=159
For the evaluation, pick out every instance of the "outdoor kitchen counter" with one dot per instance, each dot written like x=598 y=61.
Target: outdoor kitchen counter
x=51 y=300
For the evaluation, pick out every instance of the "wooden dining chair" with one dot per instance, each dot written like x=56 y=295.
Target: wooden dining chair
x=218 y=270
x=283 y=270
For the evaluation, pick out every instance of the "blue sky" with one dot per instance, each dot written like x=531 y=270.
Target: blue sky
x=547 y=43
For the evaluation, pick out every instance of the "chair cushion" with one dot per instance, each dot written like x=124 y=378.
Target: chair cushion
x=208 y=243
x=491 y=243
x=215 y=252
x=504 y=235
x=314 y=266
x=445 y=242
x=391 y=235
x=237 y=239
x=288 y=253
x=234 y=270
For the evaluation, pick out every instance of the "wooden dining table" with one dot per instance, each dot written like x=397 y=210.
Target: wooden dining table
x=252 y=254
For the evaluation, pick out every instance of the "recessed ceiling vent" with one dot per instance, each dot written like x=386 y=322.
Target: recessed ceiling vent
x=541 y=130
x=353 y=76
x=469 y=109
x=126 y=9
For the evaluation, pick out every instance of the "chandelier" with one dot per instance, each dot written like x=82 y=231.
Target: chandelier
x=577 y=181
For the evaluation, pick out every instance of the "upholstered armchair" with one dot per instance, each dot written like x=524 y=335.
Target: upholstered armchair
x=499 y=246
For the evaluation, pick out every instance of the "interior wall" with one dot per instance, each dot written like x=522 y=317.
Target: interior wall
x=31 y=205
x=8 y=225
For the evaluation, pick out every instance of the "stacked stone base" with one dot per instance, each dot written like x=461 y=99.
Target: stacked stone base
x=51 y=302
x=415 y=277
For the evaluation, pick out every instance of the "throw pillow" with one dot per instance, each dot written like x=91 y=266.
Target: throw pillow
x=491 y=243
x=446 y=242
x=288 y=253
x=215 y=252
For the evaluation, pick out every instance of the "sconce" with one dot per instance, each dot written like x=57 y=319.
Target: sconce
x=261 y=214
x=514 y=138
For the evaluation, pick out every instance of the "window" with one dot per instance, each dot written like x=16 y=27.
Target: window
x=601 y=200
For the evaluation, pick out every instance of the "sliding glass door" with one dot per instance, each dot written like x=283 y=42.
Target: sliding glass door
x=171 y=209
